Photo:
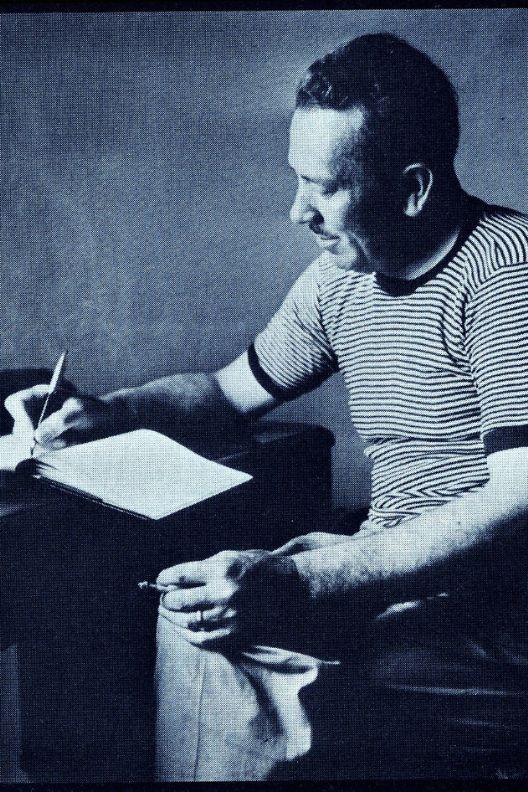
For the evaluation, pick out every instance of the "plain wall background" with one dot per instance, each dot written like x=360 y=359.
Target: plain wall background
x=145 y=190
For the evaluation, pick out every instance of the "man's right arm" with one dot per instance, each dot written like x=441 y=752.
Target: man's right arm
x=180 y=406
x=291 y=355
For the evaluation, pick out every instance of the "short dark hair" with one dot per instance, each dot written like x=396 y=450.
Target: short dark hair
x=410 y=107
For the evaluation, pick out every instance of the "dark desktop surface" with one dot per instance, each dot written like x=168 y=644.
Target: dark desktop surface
x=84 y=631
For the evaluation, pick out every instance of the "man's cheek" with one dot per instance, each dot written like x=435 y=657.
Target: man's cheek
x=347 y=244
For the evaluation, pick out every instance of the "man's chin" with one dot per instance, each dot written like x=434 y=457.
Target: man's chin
x=351 y=262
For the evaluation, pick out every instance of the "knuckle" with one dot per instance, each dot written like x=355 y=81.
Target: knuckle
x=16 y=400
x=73 y=404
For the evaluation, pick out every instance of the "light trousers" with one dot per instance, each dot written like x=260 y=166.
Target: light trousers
x=426 y=696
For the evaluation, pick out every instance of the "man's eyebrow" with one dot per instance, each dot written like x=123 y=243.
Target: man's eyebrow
x=309 y=178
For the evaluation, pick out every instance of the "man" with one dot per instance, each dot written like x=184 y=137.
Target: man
x=407 y=638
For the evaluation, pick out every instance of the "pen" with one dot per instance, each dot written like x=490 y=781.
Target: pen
x=52 y=389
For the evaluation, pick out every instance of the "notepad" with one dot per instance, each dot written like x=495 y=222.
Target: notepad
x=142 y=472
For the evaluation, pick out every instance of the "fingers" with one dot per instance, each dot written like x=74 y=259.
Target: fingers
x=192 y=573
x=196 y=573
x=73 y=423
x=53 y=429
x=209 y=620
x=191 y=599
x=25 y=407
x=201 y=604
x=201 y=638
x=217 y=593
x=69 y=422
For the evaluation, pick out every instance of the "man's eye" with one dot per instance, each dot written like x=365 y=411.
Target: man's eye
x=329 y=189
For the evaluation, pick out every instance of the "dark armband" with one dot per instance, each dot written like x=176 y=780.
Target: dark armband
x=505 y=437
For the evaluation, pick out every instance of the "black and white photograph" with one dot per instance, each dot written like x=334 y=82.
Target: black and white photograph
x=264 y=396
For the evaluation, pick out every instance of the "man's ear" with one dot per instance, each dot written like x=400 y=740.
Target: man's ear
x=417 y=180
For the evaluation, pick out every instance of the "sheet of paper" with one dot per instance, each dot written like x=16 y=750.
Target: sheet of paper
x=13 y=449
x=141 y=471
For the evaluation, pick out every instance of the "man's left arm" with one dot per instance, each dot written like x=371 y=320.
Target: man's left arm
x=458 y=547
x=455 y=548
x=440 y=551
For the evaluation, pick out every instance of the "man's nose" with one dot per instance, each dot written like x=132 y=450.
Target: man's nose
x=301 y=210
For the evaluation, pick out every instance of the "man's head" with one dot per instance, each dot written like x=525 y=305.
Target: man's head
x=376 y=123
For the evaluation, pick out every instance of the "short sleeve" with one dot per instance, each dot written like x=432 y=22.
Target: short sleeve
x=293 y=355
x=497 y=346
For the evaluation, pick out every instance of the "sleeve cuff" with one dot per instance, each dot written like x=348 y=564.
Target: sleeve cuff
x=505 y=437
x=262 y=378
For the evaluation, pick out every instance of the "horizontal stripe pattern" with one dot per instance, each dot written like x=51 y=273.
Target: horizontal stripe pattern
x=429 y=372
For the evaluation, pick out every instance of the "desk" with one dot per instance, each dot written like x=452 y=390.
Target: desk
x=86 y=635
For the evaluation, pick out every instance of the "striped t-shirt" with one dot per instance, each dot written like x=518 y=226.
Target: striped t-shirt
x=436 y=369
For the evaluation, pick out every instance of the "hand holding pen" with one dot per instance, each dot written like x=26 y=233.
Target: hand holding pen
x=66 y=417
x=54 y=385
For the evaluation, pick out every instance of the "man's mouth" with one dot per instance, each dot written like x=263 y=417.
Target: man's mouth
x=316 y=229
x=325 y=240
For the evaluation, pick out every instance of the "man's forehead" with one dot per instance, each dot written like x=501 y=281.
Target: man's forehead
x=318 y=134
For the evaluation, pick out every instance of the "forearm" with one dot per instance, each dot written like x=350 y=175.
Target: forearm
x=178 y=405
x=446 y=549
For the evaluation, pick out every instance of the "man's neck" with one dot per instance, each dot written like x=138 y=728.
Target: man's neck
x=433 y=238
x=429 y=261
